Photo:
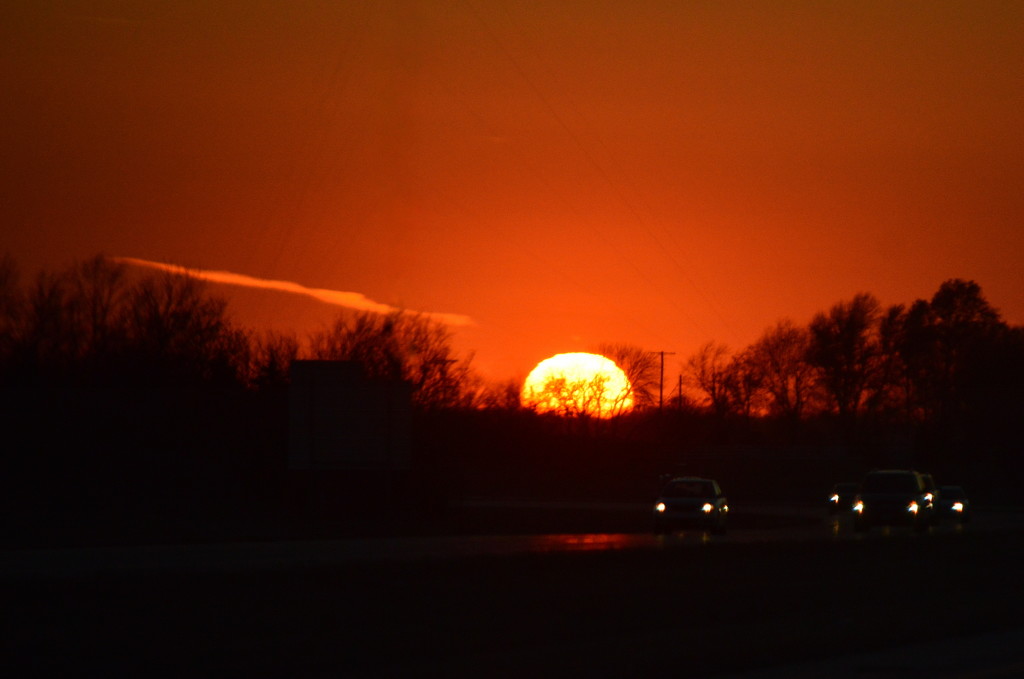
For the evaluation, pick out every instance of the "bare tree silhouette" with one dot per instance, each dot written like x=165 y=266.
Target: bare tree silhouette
x=642 y=369
x=780 y=355
x=744 y=385
x=98 y=296
x=844 y=349
x=503 y=395
x=269 y=359
x=177 y=331
x=578 y=397
x=951 y=348
x=401 y=346
x=707 y=372
x=89 y=324
x=12 y=304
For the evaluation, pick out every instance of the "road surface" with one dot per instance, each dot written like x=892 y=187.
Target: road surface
x=576 y=605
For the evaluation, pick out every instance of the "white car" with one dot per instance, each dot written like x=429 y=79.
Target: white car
x=691 y=502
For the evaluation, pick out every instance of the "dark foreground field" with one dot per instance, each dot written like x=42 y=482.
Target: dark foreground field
x=693 y=611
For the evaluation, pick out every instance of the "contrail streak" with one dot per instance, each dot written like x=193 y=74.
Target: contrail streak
x=350 y=300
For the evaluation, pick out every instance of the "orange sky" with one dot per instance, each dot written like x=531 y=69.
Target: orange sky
x=657 y=173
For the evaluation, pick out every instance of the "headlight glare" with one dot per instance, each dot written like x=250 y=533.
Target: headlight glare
x=913 y=507
x=707 y=507
x=858 y=506
x=660 y=507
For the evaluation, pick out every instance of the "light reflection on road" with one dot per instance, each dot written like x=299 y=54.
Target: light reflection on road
x=585 y=543
x=238 y=557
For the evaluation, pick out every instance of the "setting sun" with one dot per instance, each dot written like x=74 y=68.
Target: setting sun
x=578 y=384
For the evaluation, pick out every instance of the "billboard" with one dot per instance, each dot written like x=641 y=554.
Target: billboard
x=341 y=420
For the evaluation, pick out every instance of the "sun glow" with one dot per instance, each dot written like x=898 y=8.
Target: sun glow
x=578 y=384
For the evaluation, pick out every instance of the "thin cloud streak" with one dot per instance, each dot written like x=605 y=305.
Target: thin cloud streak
x=350 y=300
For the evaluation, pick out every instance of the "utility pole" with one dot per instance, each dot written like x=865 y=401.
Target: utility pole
x=661 y=380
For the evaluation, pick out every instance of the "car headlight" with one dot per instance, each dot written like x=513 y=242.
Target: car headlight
x=958 y=506
x=913 y=507
x=858 y=506
x=660 y=507
x=707 y=508
x=834 y=498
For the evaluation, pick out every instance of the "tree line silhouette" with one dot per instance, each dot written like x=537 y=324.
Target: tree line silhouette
x=950 y=359
x=949 y=363
x=939 y=359
x=94 y=324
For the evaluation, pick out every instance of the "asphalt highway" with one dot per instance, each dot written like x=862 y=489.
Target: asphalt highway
x=594 y=604
x=787 y=525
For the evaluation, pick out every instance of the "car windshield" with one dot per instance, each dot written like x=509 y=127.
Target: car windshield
x=891 y=483
x=696 y=489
